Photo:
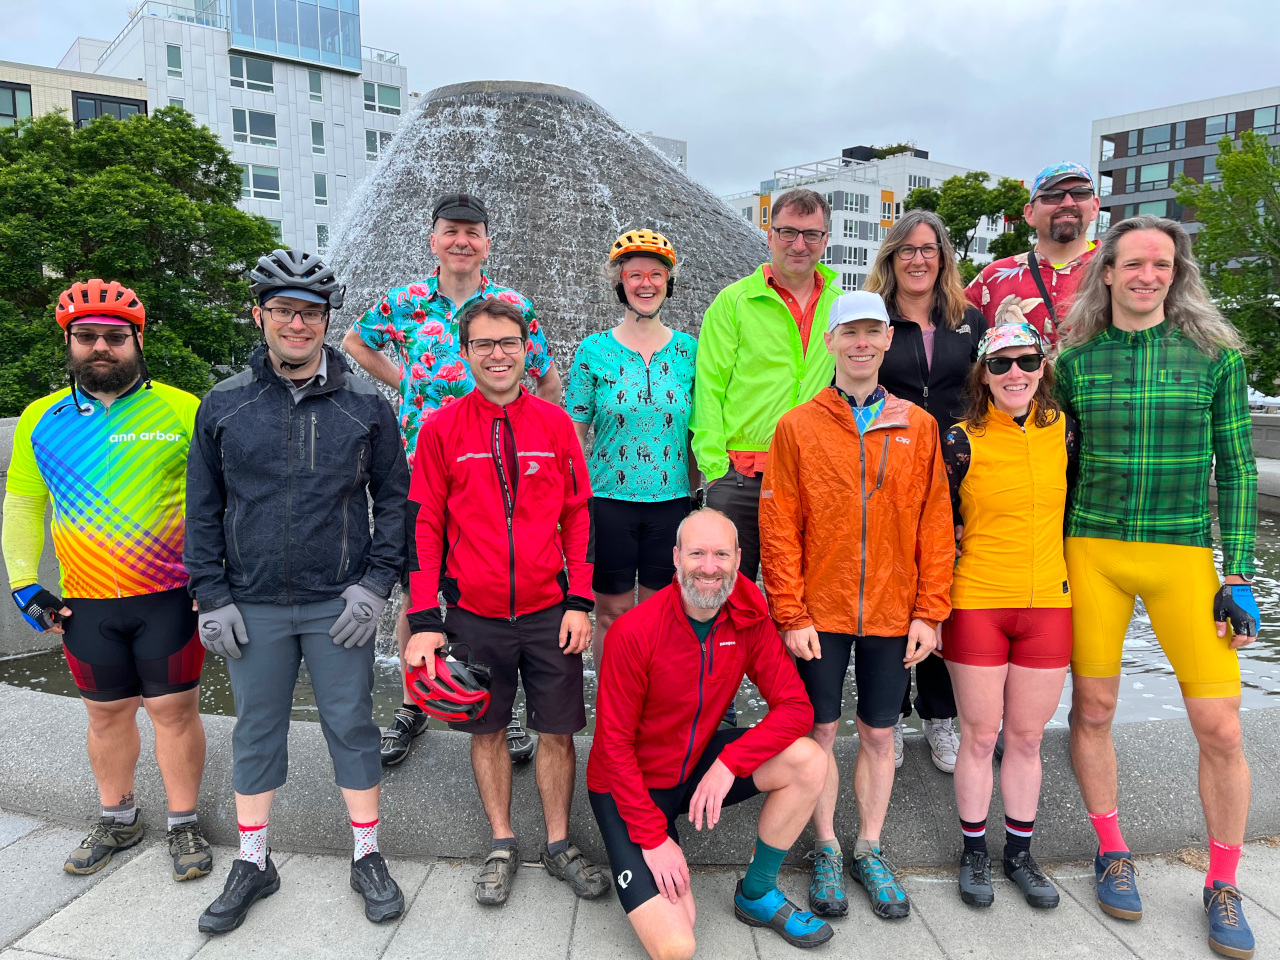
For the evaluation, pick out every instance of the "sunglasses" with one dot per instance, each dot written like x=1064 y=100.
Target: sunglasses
x=1002 y=365
x=1052 y=198
x=87 y=339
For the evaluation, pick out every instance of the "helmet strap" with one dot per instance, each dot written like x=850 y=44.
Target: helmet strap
x=622 y=298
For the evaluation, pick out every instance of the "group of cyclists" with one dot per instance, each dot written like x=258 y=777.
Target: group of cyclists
x=971 y=485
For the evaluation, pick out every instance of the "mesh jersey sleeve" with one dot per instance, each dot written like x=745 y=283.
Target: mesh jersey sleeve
x=23 y=538
x=955 y=458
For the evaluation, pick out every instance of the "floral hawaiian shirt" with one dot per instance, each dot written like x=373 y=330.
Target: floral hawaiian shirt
x=1012 y=275
x=423 y=325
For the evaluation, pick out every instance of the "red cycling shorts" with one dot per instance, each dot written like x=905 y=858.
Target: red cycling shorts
x=1035 y=637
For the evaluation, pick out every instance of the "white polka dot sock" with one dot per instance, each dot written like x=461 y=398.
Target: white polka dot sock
x=366 y=837
x=253 y=845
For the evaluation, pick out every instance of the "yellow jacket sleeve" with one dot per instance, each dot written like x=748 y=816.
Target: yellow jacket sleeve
x=23 y=537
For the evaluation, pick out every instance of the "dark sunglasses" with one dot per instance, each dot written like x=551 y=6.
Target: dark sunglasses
x=1052 y=198
x=1002 y=365
x=87 y=339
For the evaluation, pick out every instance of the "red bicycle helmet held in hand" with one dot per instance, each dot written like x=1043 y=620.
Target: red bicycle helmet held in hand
x=460 y=691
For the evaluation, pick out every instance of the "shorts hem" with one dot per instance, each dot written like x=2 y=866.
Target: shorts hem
x=1103 y=671
x=163 y=690
x=110 y=696
x=878 y=723
x=1210 y=690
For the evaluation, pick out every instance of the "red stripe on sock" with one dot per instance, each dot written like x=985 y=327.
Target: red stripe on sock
x=364 y=826
x=250 y=829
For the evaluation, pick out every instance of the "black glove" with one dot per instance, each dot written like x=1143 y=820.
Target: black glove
x=1235 y=605
x=39 y=607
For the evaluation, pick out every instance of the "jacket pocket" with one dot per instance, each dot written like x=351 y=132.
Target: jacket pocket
x=344 y=558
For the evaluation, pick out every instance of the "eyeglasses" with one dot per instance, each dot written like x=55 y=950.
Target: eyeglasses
x=483 y=348
x=1001 y=365
x=1051 y=198
x=312 y=318
x=789 y=234
x=927 y=250
x=87 y=339
x=656 y=277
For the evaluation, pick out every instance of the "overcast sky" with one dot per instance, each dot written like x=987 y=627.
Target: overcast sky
x=753 y=86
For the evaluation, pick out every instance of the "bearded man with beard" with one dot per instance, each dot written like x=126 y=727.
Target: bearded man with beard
x=671 y=666
x=1063 y=203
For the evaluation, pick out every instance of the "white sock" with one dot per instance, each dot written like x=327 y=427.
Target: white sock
x=126 y=814
x=366 y=838
x=253 y=845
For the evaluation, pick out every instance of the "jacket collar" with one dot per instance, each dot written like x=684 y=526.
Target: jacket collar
x=758 y=284
x=336 y=369
x=894 y=413
x=489 y=409
x=745 y=607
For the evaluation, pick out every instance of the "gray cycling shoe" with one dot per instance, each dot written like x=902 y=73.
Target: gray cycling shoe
x=975 y=880
x=493 y=882
x=1036 y=887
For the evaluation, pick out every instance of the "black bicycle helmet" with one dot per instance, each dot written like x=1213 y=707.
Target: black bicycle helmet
x=295 y=270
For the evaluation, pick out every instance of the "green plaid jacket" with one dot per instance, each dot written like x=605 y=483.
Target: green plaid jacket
x=1155 y=413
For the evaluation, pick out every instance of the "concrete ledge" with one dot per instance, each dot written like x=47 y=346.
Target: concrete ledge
x=430 y=807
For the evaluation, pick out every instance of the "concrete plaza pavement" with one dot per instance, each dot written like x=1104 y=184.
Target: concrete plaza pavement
x=133 y=910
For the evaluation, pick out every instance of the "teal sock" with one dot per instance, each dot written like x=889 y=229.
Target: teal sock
x=762 y=872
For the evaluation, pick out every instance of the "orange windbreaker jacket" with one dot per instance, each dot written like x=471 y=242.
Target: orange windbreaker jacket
x=855 y=529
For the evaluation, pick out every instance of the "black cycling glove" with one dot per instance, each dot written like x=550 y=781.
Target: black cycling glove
x=39 y=607
x=1235 y=604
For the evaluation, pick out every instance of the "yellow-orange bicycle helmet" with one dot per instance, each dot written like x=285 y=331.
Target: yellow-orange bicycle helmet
x=644 y=242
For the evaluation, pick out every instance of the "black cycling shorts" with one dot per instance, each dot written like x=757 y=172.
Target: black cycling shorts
x=123 y=647
x=878 y=671
x=631 y=875
x=633 y=541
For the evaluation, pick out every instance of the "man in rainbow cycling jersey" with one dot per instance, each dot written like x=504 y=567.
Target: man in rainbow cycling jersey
x=111 y=450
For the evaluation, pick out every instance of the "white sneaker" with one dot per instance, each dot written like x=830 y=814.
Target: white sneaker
x=944 y=741
x=897 y=743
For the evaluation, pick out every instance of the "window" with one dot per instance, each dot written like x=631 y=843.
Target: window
x=886 y=209
x=1105 y=185
x=375 y=141
x=380 y=98
x=915 y=180
x=250 y=73
x=177 y=102
x=1108 y=148
x=859 y=256
x=1130 y=179
x=848 y=282
x=1264 y=121
x=746 y=213
x=315 y=84
x=322 y=189
x=87 y=107
x=317 y=137
x=1133 y=142
x=764 y=215
x=259 y=182
x=1211 y=174
x=1153 y=176
x=1222 y=124
x=1156 y=139
x=1180 y=135
x=278 y=229
x=1153 y=208
x=322 y=237
x=250 y=126
x=1104 y=221
x=981 y=244
x=861 y=203
x=851 y=229
x=15 y=103
x=173 y=58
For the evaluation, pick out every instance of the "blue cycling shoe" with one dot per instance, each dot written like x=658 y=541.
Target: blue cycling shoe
x=826 y=885
x=873 y=870
x=1117 y=888
x=798 y=928
x=1229 y=932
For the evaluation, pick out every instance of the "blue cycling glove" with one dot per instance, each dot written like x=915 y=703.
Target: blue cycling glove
x=1235 y=604
x=39 y=607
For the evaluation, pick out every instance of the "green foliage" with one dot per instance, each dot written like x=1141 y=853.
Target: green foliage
x=149 y=201
x=1238 y=247
x=891 y=150
x=963 y=201
x=968 y=270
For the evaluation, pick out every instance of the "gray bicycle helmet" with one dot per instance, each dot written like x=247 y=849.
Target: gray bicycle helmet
x=283 y=270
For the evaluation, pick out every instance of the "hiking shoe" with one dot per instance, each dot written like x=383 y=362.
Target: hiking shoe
x=191 y=854
x=406 y=723
x=826 y=885
x=1229 y=932
x=520 y=745
x=773 y=910
x=1117 y=888
x=897 y=744
x=103 y=842
x=1036 y=887
x=587 y=880
x=944 y=742
x=874 y=871
x=245 y=886
x=975 y=880
x=493 y=883
x=383 y=899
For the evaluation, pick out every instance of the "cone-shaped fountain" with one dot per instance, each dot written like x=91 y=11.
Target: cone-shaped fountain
x=561 y=179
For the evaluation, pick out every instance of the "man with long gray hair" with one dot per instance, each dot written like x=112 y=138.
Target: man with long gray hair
x=1154 y=376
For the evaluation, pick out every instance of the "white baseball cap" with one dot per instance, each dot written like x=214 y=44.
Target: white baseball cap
x=857 y=305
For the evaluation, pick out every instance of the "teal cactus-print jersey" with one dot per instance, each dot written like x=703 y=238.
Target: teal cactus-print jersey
x=640 y=414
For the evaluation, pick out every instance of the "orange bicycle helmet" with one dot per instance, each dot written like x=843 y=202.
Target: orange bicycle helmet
x=644 y=242
x=98 y=298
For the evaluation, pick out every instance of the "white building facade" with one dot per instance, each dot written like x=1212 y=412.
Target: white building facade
x=305 y=109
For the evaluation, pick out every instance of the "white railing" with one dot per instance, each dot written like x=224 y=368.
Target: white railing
x=166 y=11
x=379 y=56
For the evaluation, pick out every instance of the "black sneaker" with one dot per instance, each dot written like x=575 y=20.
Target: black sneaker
x=245 y=886
x=103 y=842
x=192 y=856
x=383 y=899
x=406 y=723
x=1036 y=887
x=975 y=880
x=520 y=745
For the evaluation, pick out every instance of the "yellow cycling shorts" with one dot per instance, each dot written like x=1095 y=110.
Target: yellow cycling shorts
x=1176 y=583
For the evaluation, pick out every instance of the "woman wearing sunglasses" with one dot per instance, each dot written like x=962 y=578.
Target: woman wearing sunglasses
x=935 y=342
x=1010 y=464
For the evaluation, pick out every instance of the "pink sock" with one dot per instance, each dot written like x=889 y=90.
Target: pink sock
x=1223 y=860
x=366 y=838
x=1107 y=826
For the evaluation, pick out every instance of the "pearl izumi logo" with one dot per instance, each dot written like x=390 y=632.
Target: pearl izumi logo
x=153 y=435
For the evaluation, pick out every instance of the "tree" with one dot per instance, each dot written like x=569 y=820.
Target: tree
x=149 y=201
x=1238 y=246
x=962 y=202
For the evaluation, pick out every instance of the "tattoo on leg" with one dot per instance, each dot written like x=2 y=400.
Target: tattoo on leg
x=126 y=799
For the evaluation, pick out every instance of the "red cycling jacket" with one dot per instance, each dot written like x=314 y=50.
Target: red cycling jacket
x=508 y=487
x=661 y=696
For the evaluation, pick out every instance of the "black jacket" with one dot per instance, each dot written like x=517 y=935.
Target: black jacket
x=277 y=509
x=938 y=388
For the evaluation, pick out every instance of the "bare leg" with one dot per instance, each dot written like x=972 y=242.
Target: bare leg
x=179 y=745
x=402 y=641
x=362 y=805
x=1093 y=752
x=1030 y=698
x=824 y=813
x=665 y=929
x=1225 y=784
x=492 y=766
x=609 y=607
x=873 y=779
x=794 y=780
x=555 y=771
x=980 y=704
x=114 y=747
x=253 y=809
